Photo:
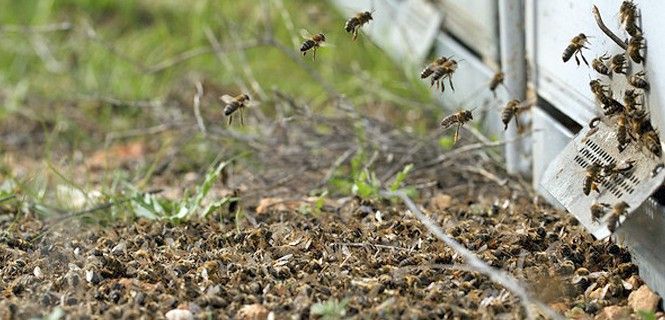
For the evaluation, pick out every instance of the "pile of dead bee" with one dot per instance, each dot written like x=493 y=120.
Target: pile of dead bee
x=630 y=118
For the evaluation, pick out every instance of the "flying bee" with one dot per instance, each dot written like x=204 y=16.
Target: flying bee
x=600 y=65
x=352 y=25
x=512 y=110
x=312 y=42
x=496 y=81
x=622 y=132
x=443 y=71
x=430 y=67
x=598 y=210
x=593 y=128
x=614 y=219
x=634 y=46
x=459 y=118
x=591 y=178
x=233 y=104
x=618 y=64
x=576 y=45
x=628 y=17
x=652 y=142
x=637 y=80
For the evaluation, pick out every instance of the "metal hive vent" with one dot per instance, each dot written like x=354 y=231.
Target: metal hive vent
x=564 y=178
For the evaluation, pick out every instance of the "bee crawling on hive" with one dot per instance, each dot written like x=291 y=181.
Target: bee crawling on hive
x=600 y=65
x=604 y=96
x=618 y=210
x=628 y=16
x=638 y=81
x=312 y=42
x=356 y=22
x=591 y=178
x=459 y=118
x=613 y=169
x=598 y=210
x=618 y=64
x=574 y=47
x=635 y=44
x=234 y=104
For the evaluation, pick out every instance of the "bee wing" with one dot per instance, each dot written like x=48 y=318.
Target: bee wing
x=226 y=98
x=252 y=103
x=326 y=44
x=305 y=34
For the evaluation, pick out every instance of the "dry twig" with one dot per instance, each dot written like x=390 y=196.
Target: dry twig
x=197 y=108
x=606 y=30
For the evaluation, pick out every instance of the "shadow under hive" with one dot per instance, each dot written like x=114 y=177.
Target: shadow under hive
x=564 y=177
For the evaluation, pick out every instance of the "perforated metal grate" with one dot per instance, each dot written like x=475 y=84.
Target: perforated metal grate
x=565 y=176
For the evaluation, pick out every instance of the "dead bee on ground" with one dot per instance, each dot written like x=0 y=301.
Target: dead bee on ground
x=637 y=80
x=576 y=45
x=459 y=118
x=312 y=42
x=496 y=81
x=622 y=132
x=634 y=46
x=600 y=65
x=628 y=17
x=352 y=25
x=618 y=64
x=598 y=210
x=593 y=128
x=591 y=178
x=512 y=110
x=233 y=104
x=614 y=219
x=443 y=71
x=604 y=96
x=652 y=142
x=430 y=67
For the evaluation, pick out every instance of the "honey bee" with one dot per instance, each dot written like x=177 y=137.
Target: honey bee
x=233 y=104
x=612 y=168
x=430 y=67
x=459 y=118
x=630 y=101
x=618 y=64
x=591 y=178
x=598 y=210
x=512 y=109
x=576 y=45
x=443 y=71
x=652 y=142
x=622 y=132
x=634 y=46
x=496 y=81
x=637 y=80
x=312 y=42
x=628 y=17
x=618 y=210
x=600 y=65
x=604 y=96
x=352 y=25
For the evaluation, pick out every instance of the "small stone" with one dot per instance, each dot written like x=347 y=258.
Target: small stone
x=38 y=272
x=634 y=281
x=576 y=313
x=252 y=312
x=615 y=313
x=179 y=314
x=643 y=299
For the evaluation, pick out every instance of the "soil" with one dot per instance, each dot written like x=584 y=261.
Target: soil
x=374 y=254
